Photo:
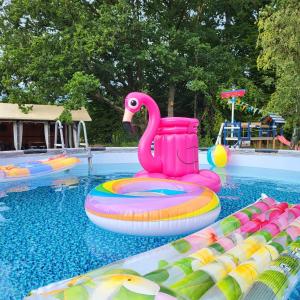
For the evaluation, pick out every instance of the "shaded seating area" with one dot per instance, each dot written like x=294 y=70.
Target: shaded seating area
x=254 y=134
x=39 y=128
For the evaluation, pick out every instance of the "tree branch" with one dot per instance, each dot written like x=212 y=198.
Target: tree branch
x=99 y=97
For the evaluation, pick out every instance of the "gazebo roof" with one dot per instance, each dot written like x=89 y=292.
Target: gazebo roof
x=273 y=118
x=9 y=111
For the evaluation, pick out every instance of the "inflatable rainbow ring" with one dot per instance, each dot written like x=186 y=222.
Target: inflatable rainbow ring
x=151 y=206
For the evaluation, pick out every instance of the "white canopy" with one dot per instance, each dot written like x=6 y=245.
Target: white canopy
x=9 y=111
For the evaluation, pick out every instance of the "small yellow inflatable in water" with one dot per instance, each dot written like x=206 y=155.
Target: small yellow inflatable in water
x=218 y=156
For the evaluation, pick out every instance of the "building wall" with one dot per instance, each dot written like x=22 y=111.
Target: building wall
x=6 y=136
x=33 y=136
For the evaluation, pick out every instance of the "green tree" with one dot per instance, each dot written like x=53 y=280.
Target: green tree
x=279 y=42
x=181 y=52
x=53 y=50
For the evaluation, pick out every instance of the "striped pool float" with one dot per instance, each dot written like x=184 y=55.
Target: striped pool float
x=31 y=169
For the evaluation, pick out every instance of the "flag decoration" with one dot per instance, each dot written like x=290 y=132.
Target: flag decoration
x=233 y=93
x=245 y=107
x=235 y=96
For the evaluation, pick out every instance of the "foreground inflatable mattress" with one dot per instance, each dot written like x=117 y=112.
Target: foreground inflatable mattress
x=251 y=254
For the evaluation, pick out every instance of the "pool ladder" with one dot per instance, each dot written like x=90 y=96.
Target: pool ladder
x=59 y=129
x=85 y=144
x=76 y=135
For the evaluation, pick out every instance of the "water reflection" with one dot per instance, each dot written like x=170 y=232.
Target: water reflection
x=7 y=287
x=224 y=175
x=3 y=208
x=57 y=184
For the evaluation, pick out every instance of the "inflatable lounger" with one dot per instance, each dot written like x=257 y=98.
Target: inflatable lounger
x=253 y=252
x=31 y=169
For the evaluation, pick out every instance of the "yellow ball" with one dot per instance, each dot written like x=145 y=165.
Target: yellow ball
x=218 y=156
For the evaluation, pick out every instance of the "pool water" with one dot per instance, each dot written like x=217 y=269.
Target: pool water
x=45 y=235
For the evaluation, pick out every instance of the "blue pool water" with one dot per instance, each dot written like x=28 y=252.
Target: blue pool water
x=45 y=235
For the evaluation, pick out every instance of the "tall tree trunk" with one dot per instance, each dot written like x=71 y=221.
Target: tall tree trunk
x=195 y=105
x=171 y=99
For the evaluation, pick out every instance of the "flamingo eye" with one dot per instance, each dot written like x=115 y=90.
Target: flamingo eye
x=133 y=103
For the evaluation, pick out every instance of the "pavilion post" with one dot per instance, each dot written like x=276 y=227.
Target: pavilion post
x=15 y=133
x=75 y=128
x=70 y=135
x=20 y=135
x=46 y=134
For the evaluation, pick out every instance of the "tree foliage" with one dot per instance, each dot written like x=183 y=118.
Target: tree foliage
x=182 y=52
x=279 y=41
x=52 y=50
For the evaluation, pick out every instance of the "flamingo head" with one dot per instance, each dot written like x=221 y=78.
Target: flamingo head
x=133 y=103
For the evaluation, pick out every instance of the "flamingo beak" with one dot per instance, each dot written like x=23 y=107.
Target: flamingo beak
x=127 y=115
x=127 y=120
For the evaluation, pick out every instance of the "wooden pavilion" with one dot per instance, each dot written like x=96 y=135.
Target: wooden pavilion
x=39 y=128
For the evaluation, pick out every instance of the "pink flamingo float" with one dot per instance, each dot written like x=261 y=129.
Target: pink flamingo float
x=175 y=145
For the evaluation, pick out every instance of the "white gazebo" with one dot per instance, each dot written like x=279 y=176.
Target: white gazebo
x=40 y=127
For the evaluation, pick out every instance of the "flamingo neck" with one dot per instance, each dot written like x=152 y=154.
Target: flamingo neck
x=147 y=160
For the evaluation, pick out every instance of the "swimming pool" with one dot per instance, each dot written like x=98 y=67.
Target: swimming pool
x=45 y=235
